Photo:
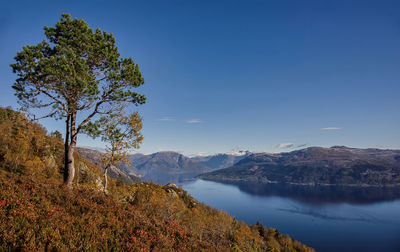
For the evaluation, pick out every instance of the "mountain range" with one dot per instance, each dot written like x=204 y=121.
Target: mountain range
x=337 y=165
x=164 y=167
x=221 y=160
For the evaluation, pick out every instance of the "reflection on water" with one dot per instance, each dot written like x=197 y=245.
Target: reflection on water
x=326 y=218
x=324 y=194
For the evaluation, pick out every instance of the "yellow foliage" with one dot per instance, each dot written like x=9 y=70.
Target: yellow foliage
x=25 y=145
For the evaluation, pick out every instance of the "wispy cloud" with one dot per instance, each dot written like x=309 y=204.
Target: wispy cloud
x=284 y=145
x=166 y=119
x=331 y=128
x=301 y=145
x=194 y=121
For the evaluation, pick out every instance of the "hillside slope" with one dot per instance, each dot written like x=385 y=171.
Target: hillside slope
x=316 y=165
x=36 y=215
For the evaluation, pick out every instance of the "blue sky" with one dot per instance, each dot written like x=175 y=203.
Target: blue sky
x=256 y=75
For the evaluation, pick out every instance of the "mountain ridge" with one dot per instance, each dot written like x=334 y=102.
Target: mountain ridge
x=337 y=165
x=164 y=167
x=221 y=160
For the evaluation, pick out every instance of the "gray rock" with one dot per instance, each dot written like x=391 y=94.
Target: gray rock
x=172 y=185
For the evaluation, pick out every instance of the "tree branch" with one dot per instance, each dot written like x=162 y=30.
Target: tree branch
x=45 y=105
x=42 y=117
x=96 y=108
x=51 y=96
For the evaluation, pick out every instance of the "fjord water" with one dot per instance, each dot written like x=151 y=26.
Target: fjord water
x=326 y=218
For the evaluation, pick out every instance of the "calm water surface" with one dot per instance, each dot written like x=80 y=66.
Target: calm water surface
x=326 y=218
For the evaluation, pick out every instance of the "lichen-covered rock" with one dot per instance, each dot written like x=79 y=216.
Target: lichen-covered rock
x=172 y=185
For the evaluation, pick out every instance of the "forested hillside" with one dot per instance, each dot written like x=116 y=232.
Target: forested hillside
x=38 y=212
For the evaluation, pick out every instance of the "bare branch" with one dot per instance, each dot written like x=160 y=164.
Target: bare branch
x=45 y=105
x=42 y=117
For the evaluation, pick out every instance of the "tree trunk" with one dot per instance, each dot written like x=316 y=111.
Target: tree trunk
x=66 y=149
x=105 y=178
x=70 y=164
x=106 y=169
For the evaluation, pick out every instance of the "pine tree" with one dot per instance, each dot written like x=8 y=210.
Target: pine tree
x=75 y=74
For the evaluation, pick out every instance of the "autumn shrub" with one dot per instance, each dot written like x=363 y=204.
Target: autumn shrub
x=25 y=146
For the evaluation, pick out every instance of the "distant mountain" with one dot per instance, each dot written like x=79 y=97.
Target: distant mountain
x=337 y=165
x=222 y=160
x=94 y=156
x=164 y=167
